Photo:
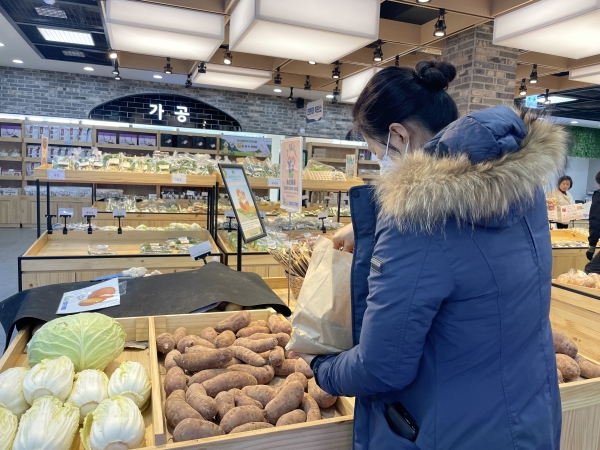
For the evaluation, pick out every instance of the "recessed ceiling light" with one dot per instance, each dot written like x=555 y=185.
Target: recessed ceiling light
x=89 y=69
x=17 y=61
x=69 y=37
x=574 y=121
x=312 y=62
x=329 y=96
x=276 y=90
x=158 y=77
x=1 y=44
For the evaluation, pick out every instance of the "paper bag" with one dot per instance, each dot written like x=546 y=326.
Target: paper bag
x=322 y=320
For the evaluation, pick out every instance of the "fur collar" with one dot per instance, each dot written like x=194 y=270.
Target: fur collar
x=422 y=192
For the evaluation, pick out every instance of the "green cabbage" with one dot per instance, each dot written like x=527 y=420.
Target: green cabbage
x=90 y=340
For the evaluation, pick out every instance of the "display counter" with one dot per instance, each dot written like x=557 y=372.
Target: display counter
x=568 y=251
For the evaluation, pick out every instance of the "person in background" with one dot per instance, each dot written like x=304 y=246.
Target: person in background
x=594 y=265
x=562 y=196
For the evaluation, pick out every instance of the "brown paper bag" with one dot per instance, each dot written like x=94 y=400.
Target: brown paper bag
x=322 y=320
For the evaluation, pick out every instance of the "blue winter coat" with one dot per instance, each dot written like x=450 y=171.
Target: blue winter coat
x=451 y=292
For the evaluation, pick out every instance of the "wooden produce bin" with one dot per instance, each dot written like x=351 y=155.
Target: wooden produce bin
x=137 y=329
x=565 y=259
x=62 y=258
x=578 y=316
x=331 y=433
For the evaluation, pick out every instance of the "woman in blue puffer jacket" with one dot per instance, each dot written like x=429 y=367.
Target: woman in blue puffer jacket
x=451 y=274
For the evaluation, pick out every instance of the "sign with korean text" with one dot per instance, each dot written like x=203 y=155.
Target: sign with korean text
x=291 y=174
x=571 y=212
x=314 y=111
x=245 y=146
x=181 y=112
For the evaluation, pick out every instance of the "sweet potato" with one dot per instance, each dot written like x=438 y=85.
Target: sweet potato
x=295 y=416
x=225 y=339
x=277 y=324
x=241 y=415
x=588 y=368
x=323 y=399
x=169 y=359
x=204 y=375
x=196 y=397
x=206 y=359
x=189 y=429
x=276 y=356
x=175 y=380
x=225 y=402
x=248 y=356
x=232 y=362
x=251 y=426
x=242 y=399
x=287 y=367
x=265 y=355
x=209 y=333
x=260 y=323
x=165 y=343
x=311 y=408
x=249 y=331
x=264 y=394
x=263 y=374
x=564 y=345
x=192 y=341
x=177 y=409
x=282 y=338
x=303 y=368
x=233 y=307
x=296 y=376
x=179 y=334
x=257 y=346
x=560 y=377
x=288 y=399
x=234 y=323
x=228 y=381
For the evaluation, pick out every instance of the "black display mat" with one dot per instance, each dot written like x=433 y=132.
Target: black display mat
x=173 y=293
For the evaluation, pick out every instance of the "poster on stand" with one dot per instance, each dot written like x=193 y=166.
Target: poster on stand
x=242 y=201
x=291 y=174
x=245 y=146
x=571 y=212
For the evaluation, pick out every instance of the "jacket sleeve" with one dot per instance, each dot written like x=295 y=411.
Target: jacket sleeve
x=403 y=300
x=595 y=220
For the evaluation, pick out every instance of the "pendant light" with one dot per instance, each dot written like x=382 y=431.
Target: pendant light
x=115 y=70
x=188 y=82
x=168 y=68
x=547 y=97
x=335 y=73
x=307 y=85
x=533 y=78
x=277 y=77
x=291 y=97
x=202 y=67
x=227 y=57
x=440 y=25
x=378 y=53
x=397 y=61
x=523 y=88
x=113 y=55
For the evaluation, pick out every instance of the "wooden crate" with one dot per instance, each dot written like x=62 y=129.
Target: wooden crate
x=137 y=329
x=329 y=433
x=565 y=259
x=578 y=316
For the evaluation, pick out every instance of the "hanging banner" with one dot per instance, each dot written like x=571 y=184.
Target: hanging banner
x=291 y=174
x=245 y=146
x=314 y=111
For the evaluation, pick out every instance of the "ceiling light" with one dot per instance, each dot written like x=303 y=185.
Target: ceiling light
x=533 y=78
x=68 y=37
x=353 y=85
x=277 y=77
x=523 y=87
x=329 y=96
x=231 y=76
x=335 y=73
x=303 y=30
x=17 y=61
x=115 y=70
x=118 y=77
x=89 y=69
x=312 y=62
x=556 y=99
x=336 y=92
x=73 y=53
x=307 y=85
x=397 y=61
x=159 y=30
x=547 y=100
x=227 y=57
x=423 y=1
x=168 y=68
x=158 y=77
x=1 y=44
x=291 y=97
x=48 y=11
x=276 y=90
x=49 y=2
x=574 y=121
x=188 y=82
x=378 y=53
x=202 y=67
x=440 y=26
x=113 y=55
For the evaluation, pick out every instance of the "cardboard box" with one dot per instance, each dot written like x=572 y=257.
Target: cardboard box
x=128 y=139
x=107 y=137
x=11 y=131
x=147 y=140
x=166 y=140
x=54 y=133
x=198 y=142
x=32 y=131
x=211 y=143
x=184 y=141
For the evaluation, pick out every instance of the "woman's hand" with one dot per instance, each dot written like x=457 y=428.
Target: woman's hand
x=306 y=357
x=344 y=239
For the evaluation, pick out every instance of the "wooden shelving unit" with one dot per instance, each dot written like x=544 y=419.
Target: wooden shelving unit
x=335 y=155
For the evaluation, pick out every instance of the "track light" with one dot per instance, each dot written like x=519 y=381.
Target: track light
x=113 y=55
x=307 y=85
x=378 y=53
x=312 y=63
x=440 y=25
x=336 y=92
x=277 y=77
x=291 y=97
x=335 y=73
x=533 y=78
x=397 y=61
x=202 y=67
x=423 y=1
x=168 y=68
x=115 y=70
x=188 y=82
x=547 y=97
x=523 y=88
x=227 y=57
x=118 y=77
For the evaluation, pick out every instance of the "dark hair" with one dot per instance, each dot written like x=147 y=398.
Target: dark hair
x=598 y=178
x=570 y=180
x=400 y=94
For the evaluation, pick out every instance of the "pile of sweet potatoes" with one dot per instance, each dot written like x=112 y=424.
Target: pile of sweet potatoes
x=236 y=377
x=570 y=365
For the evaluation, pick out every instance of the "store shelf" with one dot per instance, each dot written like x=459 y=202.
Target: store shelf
x=29 y=178
x=127 y=147
x=8 y=139
x=370 y=177
x=11 y=158
x=369 y=162
x=309 y=185
x=11 y=177
x=330 y=160
x=29 y=159
x=187 y=150
x=72 y=144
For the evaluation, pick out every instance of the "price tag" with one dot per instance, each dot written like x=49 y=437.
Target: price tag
x=191 y=193
x=152 y=196
x=323 y=215
x=65 y=212
x=307 y=235
x=345 y=197
x=327 y=198
x=89 y=212
x=205 y=195
x=119 y=213
x=56 y=174
x=184 y=240
x=262 y=214
x=229 y=214
x=179 y=179
x=200 y=250
x=305 y=197
x=273 y=182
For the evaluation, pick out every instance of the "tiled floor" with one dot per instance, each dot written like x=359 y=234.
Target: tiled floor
x=13 y=242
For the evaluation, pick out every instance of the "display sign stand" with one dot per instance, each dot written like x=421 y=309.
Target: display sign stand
x=48 y=215
x=89 y=221
x=119 y=230
x=65 y=227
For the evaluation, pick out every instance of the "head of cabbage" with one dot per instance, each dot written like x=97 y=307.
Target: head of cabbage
x=90 y=340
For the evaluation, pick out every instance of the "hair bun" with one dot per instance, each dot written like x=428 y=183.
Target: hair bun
x=435 y=75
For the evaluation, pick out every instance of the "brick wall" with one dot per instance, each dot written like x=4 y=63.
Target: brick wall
x=486 y=72
x=58 y=94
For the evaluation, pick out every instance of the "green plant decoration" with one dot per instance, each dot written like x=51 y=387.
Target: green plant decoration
x=585 y=143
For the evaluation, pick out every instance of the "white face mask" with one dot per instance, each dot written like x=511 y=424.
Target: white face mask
x=385 y=163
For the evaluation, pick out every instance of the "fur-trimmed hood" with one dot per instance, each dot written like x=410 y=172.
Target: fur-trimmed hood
x=484 y=169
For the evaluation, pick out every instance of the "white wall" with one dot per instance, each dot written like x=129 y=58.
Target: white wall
x=578 y=169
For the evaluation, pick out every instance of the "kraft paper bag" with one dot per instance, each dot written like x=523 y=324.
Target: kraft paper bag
x=322 y=320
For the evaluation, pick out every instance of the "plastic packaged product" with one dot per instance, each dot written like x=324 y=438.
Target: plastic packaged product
x=112 y=162
x=162 y=166
x=100 y=249
x=125 y=164
x=253 y=167
x=154 y=248
x=316 y=170
x=62 y=162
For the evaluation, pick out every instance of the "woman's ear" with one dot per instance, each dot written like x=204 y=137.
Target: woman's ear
x=399 y=135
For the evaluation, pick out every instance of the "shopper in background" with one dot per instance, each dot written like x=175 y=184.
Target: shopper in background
x=451 y=274
x=562 y=196
x=594 y=265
